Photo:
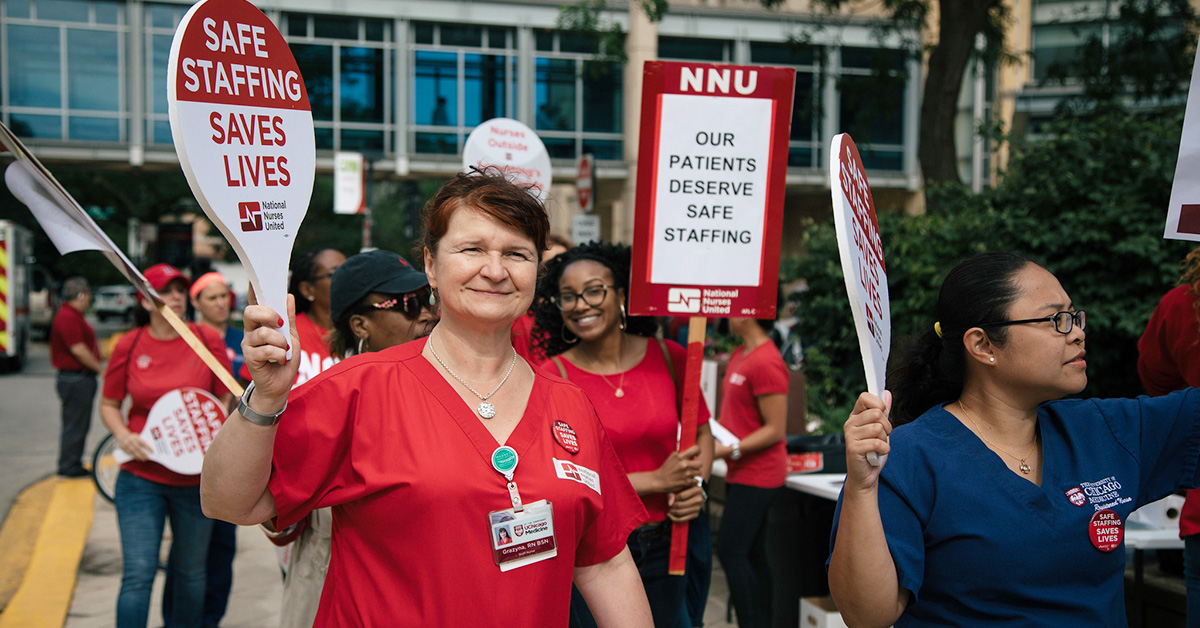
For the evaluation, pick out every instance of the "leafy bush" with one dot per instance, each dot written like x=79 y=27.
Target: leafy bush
x=1088 y=203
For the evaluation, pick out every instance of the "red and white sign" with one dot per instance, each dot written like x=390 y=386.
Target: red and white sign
x=585 y=182
x=180 y=428
x=566 y=437
x=862 y=258
x=710 y=186
x=243 y=130
x=1183 y=212
x=513 y=148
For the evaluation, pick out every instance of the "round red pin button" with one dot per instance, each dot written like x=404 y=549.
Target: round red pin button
x=1106 y=530
x=565 y=436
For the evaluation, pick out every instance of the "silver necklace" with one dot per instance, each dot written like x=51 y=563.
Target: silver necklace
x=485 y=409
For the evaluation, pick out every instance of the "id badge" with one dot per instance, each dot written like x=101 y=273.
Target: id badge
x=523 y=538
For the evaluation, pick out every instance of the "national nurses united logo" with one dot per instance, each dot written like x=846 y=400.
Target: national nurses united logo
x=250 y=214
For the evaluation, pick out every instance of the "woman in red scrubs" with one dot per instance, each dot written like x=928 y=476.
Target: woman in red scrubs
x=425 y=449
x=627 y=375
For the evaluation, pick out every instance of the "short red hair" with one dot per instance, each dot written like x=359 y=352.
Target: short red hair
x=490 y=192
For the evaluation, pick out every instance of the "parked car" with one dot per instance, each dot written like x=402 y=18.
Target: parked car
x=114 y=302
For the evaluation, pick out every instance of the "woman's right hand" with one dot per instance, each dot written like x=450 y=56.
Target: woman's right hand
x=867 y=431
x=133 y=445
x=679 y=470
x=265 y=351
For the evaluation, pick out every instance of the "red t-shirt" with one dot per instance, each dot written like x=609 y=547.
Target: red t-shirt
x=70 y=328
x=314 y=353
x=643 y=425
x=405 y=465
x=522 y=339
x=761 y=372
x=1169 y=360
x=145 y=369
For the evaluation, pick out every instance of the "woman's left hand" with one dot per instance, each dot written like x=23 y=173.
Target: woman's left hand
x=686 y=504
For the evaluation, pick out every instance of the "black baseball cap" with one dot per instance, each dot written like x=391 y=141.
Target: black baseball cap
x=373 y=271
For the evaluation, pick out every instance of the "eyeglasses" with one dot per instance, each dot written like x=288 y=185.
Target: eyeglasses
x=407 y=304
x=317 y=278
x=1064 y=321
x=591 y=295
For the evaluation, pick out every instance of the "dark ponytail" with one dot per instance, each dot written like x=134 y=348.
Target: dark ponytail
x=978 y=290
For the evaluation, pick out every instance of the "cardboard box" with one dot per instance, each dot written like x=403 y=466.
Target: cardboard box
x=820 y=612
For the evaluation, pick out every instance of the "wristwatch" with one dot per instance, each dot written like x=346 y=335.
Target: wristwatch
x=257 y=418
x=737 y=451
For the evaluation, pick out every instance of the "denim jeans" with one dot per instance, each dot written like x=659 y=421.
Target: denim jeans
x=740 y=548
x=699 y=569
x=222 y=546
x=143 y=507
x=1191 y=576
x=650 y=547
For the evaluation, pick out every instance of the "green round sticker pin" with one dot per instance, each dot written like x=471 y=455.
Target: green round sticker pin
x=504 y=460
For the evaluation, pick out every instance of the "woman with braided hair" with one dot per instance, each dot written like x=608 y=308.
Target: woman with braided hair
x=1168 y=360
x=630 y=377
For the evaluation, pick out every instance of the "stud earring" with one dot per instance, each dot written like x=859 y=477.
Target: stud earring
x=991 y=359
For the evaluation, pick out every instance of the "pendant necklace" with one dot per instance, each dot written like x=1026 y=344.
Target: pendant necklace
x=1024 y=466
x=485 y=409
x=619 y=389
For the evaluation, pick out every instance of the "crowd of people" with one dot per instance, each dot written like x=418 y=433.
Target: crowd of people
x=498 y=379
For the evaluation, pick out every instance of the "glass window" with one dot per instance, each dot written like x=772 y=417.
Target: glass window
x=498 y=37
x=804 y=106
x=160 y=54
x=485 y=83
x=362 y=84
x=691 y=48
x=162 y=16
x=94 y=129
x=800 y=157
x=462 y=35
x=544 y=39
x=602 y=93
x=423 y=32
x=872 y=109
x=316 y=66
x=17 y=8
x=436 y=143
x=162 y=133
x=65 y=10
x=40 y=127
x=357 y=139
x=374 y=30
x=1058 y=47
x=872 y=59
x=33 y=75
x=107 y=12
x=324 y=138
x=559 y=147
x=93 y=70
x=578 y=42
x=436 y=88
x=555 y=94
x=789 y=53
x=297 y=25
x=603 y=149
x=335 y=27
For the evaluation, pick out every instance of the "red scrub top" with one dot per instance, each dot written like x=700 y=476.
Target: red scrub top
x=314 y=353
x=68 y=329
x=145 y=369
x=644 y=424
x=406 y=466
x=760 y=372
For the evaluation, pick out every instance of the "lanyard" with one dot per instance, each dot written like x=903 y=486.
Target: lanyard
x=504 y=461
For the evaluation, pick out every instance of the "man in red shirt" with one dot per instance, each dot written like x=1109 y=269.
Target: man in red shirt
x=76 y=356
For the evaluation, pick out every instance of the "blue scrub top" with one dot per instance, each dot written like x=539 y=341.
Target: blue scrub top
x=976 y=544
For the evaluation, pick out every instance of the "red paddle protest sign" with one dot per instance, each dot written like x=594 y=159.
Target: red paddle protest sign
x=180 y=428
x=243 y=130
x=861 y=252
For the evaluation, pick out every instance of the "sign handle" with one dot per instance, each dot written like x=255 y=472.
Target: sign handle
x=697 y=325
x=201 y=350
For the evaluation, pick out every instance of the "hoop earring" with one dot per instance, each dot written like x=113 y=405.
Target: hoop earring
x=564 y=336
x=360 y=345
x=624 y=321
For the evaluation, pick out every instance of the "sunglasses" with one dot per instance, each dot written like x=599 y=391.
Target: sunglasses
x=409 y=304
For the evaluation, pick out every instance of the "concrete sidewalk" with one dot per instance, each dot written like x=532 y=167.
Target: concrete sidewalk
x=76 y=584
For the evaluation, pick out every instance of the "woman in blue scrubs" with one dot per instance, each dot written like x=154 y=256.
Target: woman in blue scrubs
x=1000 y=504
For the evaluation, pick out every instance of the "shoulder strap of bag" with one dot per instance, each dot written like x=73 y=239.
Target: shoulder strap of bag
x=662 y=345
x=562 y=370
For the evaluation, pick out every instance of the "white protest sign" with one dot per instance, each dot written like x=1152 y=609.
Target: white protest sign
x=712 y=199
x=585 y=183
x=513 y=148
x=861 y=252
x=349 y=191
x=243 y=130
x=180 y=428
x=585 y=228
x=1183 y=213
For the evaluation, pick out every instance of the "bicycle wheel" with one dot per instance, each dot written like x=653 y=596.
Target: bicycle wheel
x=105 y=468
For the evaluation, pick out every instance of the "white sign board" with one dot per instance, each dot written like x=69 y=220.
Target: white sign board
x=180 y=428
x=585 y=229
x=349 y=190
x=513 y=148
x=584 y=183
x=712 y=195
x=243 y=131
x=1183 y=213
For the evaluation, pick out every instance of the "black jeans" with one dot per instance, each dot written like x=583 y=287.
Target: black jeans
x=76 y=390
x=740 y=548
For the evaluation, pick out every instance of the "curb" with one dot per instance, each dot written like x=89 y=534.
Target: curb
x=44 y=595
